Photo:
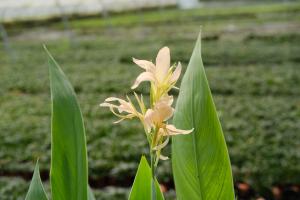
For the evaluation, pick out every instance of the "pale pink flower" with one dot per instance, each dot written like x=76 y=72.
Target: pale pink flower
x=160 y=74
x=163 y=77
x=157 y=117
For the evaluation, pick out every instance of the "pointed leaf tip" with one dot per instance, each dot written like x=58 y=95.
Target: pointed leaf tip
x=141 y=188
x=36 y=189
x=47 y=52
x=45 y=48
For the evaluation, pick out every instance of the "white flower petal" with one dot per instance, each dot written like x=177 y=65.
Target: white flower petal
x=147 y=65
x=140 y=102
x=162 y=63
x=163 y=108
x=145 y=76
x=159 y=114
x=108 y=105
x=162 y=145
x=172 y=130
x=149 y=118
x=112 y=99
x=166 y=113
x=116 y=122
x=122 y=102
x=176 y=74
x=165 y=100
x=163 y=157
x=176 y=88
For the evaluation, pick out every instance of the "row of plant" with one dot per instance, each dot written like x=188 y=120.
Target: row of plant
x=260 y=80
x=255 y=12
x=174 y=16
x=277 y=48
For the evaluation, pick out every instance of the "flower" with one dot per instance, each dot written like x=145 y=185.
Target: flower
x=155 y=119
x=162 y=76
x=125 y=107
x=162 y=111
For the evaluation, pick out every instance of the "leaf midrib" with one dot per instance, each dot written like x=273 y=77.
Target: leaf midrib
x=194 y=140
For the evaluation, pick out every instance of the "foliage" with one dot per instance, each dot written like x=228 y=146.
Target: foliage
x=69 y=175
x=200 y=161
x=69 y=172
x=141 y=188
x=36 y=189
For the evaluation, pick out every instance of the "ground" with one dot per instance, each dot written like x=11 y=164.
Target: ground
x=251 y=56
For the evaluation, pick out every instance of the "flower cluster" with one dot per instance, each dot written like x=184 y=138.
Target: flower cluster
x=162 y=78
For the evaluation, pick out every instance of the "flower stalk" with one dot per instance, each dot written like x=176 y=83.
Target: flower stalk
x=153 y=169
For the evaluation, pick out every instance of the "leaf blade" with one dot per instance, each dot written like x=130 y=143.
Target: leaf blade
x=141 y=188
x=36 y=189
x=201 y=164
x=68 y=172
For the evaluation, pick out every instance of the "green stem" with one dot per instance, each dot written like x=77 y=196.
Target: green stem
x=153 y=167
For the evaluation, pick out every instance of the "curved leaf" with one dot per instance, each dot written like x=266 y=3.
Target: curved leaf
x=141 y=189
x=36 y=189
x=201 y=164
x=69 y=174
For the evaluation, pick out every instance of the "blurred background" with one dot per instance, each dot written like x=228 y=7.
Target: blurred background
x=251 y=52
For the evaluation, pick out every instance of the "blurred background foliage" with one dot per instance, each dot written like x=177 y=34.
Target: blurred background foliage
x=251 y=53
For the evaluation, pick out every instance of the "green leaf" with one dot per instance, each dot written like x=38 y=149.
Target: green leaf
x=36 y=189
x=141 y=188
x=200 y=160
x=69 y=174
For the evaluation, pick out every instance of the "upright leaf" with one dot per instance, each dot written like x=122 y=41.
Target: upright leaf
x=36 y=189
x=201 y=164
x=141 y=189
x=69 y=174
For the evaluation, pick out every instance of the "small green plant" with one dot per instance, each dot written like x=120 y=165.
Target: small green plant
x=200 y=160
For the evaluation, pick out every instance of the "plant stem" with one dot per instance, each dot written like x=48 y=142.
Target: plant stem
x=153 y=167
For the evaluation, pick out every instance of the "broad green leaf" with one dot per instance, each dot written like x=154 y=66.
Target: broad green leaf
x=36 y=189
x=69 y=174
x=141 y=189
x=200 y=160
